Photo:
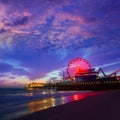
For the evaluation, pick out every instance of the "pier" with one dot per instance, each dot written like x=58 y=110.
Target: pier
x=96 y=85
x=81 y=76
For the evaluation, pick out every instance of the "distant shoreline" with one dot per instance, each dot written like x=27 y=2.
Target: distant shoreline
x=104 y=106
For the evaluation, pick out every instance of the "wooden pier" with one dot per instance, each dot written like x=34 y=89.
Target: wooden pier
x=98 y=85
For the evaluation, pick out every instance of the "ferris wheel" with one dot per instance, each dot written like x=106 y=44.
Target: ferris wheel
x=77 y=66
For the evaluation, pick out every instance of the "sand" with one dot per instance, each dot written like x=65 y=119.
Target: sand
x=105 y=106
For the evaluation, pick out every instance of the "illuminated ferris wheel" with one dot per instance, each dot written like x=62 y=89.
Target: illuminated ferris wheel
x=77 y=66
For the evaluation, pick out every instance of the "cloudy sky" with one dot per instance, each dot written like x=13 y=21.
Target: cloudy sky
x=38 y=38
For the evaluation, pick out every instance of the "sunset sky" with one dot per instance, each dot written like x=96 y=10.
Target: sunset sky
x=38 y=38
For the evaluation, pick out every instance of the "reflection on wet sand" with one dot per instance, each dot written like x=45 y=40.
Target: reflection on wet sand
x=38 y=105
x=41 y=104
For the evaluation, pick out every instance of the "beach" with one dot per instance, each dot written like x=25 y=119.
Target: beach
x=103 y=106
x=16 y=102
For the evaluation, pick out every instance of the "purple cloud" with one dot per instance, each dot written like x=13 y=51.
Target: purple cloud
x=45 y=35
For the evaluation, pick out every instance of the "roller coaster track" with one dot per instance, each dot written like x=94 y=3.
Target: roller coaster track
x=114 y=74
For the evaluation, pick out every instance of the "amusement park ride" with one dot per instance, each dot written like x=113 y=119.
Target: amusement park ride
x=81 y=76
x=81 y=68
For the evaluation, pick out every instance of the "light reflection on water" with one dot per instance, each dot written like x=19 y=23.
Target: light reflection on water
x=41 y=104
x=26 y=93
x=38 y=105
x=21 y=104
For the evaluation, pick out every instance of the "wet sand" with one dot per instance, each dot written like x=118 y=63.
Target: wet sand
x=105 y=106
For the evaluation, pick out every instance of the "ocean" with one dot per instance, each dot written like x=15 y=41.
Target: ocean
x=17 y=102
